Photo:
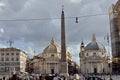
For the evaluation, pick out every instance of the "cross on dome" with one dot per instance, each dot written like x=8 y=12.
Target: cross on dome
x=52 y=41
x=94 y=38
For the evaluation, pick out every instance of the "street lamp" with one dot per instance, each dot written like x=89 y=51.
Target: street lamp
x=109 y=65
x=103 y=74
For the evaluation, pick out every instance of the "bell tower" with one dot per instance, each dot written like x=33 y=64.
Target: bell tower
x=82 y=46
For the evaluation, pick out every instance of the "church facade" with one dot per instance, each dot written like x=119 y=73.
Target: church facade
x=93 y=58
x=49 y=61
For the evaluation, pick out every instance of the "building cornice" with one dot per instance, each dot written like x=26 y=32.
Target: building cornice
x=11 y=49
x=116 y=7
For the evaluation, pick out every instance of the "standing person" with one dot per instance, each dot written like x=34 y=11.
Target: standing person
x=40 y=77
x=15 y=77
x=56 y=77
x=63 y=78
x=71 y=77
x=37 y=78
x=4 y=78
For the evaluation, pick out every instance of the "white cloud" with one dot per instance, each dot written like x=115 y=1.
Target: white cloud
x=29 y=3
x=75 y=1
x=2 y=4
x=1 y=30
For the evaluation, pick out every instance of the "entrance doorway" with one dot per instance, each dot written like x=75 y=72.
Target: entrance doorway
x=52 y=71
x=95 y=70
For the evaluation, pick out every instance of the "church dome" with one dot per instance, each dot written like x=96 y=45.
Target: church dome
x=94 y=45
x=52 y=47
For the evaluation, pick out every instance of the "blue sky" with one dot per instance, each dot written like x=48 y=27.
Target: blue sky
x=36 y=35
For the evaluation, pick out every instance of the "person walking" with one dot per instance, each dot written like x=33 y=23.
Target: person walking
x=56 y=77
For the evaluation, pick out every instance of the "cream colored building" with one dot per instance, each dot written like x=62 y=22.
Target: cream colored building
x=48 y=62
x=12 y=60
x=93 y=58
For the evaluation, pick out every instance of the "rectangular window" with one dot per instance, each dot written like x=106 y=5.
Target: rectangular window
x=12 y=59
x=6 y=68
x=2 y=59
x=2 y=68
x=12 y=53
x=2 y=54
x=17 y=59
x=17 y=53
x=12 y=64
x=7 y=59
x=7 y=54
x=17 y=68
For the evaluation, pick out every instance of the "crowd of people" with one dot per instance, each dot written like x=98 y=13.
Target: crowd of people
x=55 y=77
x=17 y=77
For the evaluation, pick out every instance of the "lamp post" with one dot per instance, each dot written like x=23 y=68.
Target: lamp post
x=75 y=70
x=109 y=65
x=103 y=74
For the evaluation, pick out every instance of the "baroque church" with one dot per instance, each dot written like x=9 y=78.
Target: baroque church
x=54 y=58
x=93 y=58
x=48 y=62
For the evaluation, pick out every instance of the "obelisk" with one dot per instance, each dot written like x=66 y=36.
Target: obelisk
x=64 y=64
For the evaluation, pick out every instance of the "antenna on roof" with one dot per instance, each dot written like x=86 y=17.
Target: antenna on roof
x=10 y=42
